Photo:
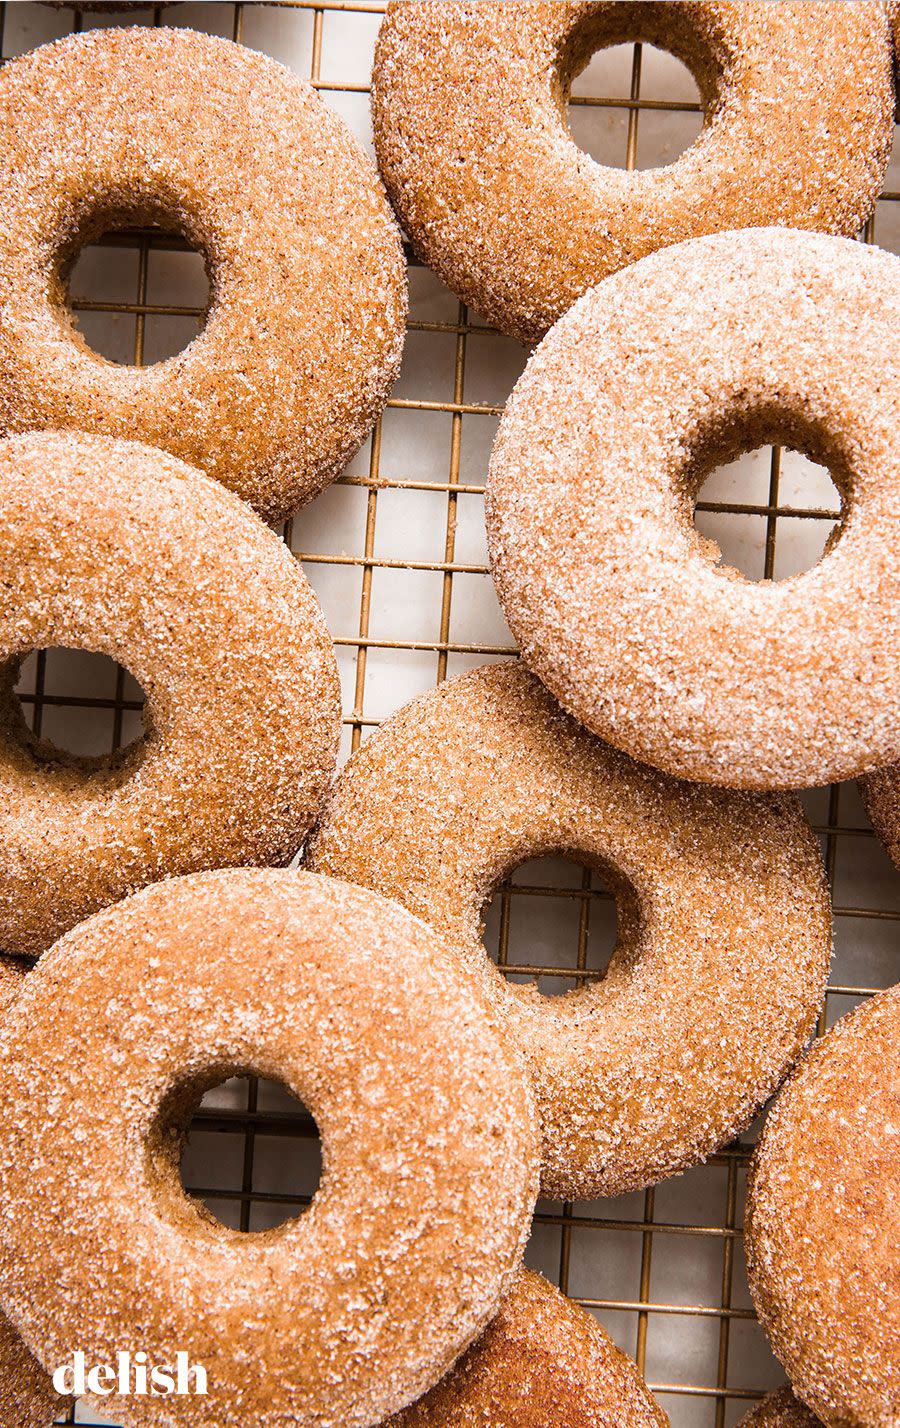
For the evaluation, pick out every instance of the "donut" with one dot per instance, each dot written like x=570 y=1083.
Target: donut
x=701 y=351
x=332 y=1320
x=469 y=110
x=27 y=1396
x=113 y=547
x=118 y=127
x=823 y=1221
x=543 y=1362
x=881 y=797
x=780 y=1410
x=724 y=923
x=12 y=972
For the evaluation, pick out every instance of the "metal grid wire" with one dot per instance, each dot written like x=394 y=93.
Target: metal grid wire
x=664 y=1269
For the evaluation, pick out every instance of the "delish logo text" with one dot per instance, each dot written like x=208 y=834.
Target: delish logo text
x=131 y=1375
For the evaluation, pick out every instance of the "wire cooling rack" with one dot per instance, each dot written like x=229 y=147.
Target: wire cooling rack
x=395 y=551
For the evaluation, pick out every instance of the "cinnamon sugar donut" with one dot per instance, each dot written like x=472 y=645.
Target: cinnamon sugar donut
x=159 y=126
x=679 y=363
x=724 y=922
x=823 y=1221
x=469 y=108
x=881 y=796
x=780 y=1410
x=543 y=1362
x=332 y=1320
x=113 y=547
x=27 y=1396
x=12 y=972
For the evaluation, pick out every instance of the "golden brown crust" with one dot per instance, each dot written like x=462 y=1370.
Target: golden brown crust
x=470 y=130
x=651 y=380
x=12 y=972
x=332 y=1320
x=27 y=1395
x=305 y=331
x=725 y=929
x=881 y=795
x=823 y=1222
x=112 y=546
x=543 y=1362
x=780 y=1410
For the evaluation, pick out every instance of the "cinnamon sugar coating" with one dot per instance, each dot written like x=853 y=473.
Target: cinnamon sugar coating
x=13 y=970
x=114 y=547
x=881 y=795
x=469 y=108
x=653 y=378
x=335 y=1319
x=543 y=1362
x=27 y=1396
x=780 y=1410
x=724 y=922
x=823 y=1221
x=128 y=126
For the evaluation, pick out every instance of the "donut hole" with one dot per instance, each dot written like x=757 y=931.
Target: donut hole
x=558 y=924
x=636 y=83
x=768 y=514
x=76 y=709
x=135 y=286
x=245 y=1150
x=645 y=122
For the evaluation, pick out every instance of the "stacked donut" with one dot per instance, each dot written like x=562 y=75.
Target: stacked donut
x=662 y=717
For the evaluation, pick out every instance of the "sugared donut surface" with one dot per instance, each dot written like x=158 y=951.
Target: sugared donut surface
x=12 y=972
x=724 y=925
x=543 y=1362
x=132 y=127
x=654 y=378
x=881 y=795
x=780 y=1410
x=469 y=108
x=114 y=547
x=27 y=1396
x=332 y=1320
x=823 y=1221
